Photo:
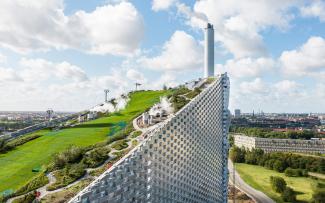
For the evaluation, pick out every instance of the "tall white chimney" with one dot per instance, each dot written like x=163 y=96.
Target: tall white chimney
x=209 y=51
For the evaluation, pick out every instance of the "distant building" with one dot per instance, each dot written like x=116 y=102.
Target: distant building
x=92 y=115
x=280 y=145
x=237 y=113
x=82 y=118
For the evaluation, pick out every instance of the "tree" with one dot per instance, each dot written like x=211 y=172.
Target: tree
x=319 y=196
x=253 y=156
x=237 y=155
x=288 y=195
x=279 y=166
x=278 y=184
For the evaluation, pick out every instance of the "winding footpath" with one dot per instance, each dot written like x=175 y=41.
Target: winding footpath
x=256 y=195
x=43 y=191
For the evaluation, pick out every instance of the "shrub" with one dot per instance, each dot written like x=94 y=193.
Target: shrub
x=178 y=102
x=237 y=154
x=319 y=196
x=253 y=156
x=6 y=146
x=193 y=93
x=72 y=155
x=122 y=134
x=35 y=183
x=278 y=184
x=121 y=144
x=279 y=166
x=22 y=140
x=288 y=195
x=136 y=134
x=290 y=172
x=67 y=175
x=96 y=157
x=28 y=198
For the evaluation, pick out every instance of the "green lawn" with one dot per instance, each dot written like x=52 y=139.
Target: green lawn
x=16 y=165
x=259 y=178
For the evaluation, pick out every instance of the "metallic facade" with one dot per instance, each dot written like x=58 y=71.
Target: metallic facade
x=184 y=159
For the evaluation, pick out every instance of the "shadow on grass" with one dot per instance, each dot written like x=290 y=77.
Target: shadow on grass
x=116 y=114
x=94 y=125
x=300 y=201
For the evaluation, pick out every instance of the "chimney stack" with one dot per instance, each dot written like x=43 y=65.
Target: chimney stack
x=209 y=51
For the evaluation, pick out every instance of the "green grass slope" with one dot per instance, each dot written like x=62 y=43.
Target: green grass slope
x=259 y=178
x=16 y=165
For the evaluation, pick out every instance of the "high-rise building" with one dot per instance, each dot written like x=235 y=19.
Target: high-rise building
x=237 y=113
x=183 y=159
x=209 y=51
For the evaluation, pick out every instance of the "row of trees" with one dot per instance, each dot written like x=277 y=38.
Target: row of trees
x=279 y=185
x=278 y=161
x=6 y=145
x=268 y=133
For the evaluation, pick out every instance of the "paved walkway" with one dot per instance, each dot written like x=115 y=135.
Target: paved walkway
x=256 y=195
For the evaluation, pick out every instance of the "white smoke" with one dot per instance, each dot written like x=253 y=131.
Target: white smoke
x=166 y=105
x=195 y=17
x=163 y=105
x=121 y=103
x=108 y=107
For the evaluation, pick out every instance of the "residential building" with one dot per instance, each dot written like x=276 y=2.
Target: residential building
x=280 y=145
x=237 y=113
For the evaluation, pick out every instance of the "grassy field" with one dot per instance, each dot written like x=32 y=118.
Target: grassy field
x=259 y=178
x=16 y=165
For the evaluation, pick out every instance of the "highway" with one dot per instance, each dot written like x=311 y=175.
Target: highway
x=256 y=195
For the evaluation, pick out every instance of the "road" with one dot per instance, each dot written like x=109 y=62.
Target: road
x=256 y=195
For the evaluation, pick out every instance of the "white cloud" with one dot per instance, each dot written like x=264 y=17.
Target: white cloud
x=246 y=67
x=307 y=60
x=276 y=96
x=158 y=5
x=3 y=58
x=257 y=86
x=41 y=25
x=287 y=89
x=8 y=75
x=320 y=91
x=238 y=23
x=169 y=79
x=40 y=70
x=181 y=52
x=314 y=9
x=69 y=94
x=135 y=75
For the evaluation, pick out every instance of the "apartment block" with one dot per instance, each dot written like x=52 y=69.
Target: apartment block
x=280 y=145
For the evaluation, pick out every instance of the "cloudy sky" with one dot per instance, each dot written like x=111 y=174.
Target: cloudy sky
x=61 y=54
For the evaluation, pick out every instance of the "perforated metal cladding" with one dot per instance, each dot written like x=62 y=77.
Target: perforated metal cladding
x=183 y=160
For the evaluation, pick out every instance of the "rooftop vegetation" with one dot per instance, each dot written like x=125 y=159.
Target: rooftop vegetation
x=17 y=164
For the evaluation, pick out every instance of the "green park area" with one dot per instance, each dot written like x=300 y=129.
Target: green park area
x=16 y=165
x=259 y=178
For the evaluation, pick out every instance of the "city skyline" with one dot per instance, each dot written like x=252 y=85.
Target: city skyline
x=273 y=56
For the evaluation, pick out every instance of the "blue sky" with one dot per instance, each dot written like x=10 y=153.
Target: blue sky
x=61 y=54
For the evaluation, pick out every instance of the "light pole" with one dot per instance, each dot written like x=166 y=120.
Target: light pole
x=106 y=95
x=136 y=86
